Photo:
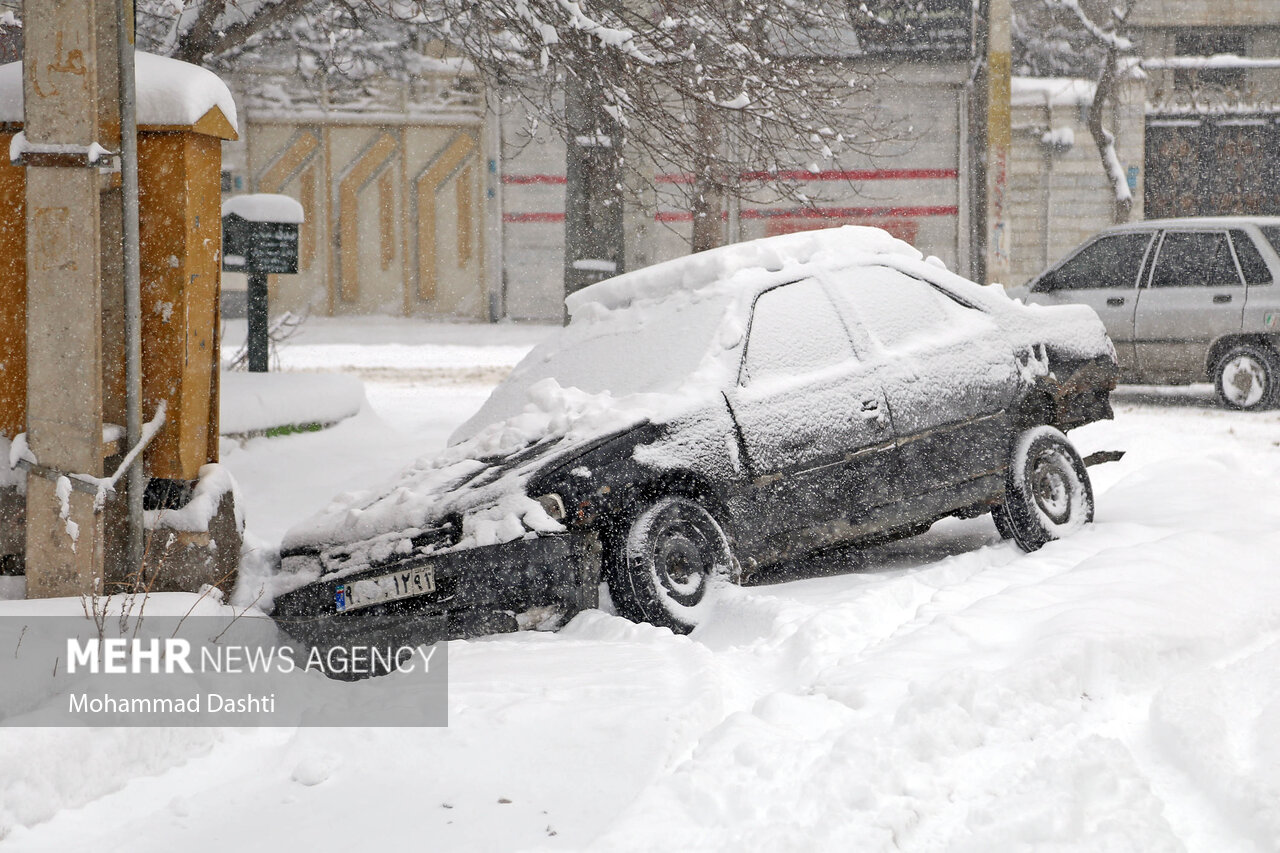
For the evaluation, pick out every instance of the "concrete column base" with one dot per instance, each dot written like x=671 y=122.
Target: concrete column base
x=184 y=561
x=68 y=564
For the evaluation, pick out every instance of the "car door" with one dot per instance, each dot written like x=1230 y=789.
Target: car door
x=811 y=417
x=1262 y=303
x=948 y=373
x=1195 y=294
x=1102 y=274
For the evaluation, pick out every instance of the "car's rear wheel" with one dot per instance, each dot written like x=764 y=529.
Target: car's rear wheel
x=665 y=566
x=1047 y=489
x=1247 y=377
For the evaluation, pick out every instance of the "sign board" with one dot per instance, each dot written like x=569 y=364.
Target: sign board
x=935 y=29
x=259 y=247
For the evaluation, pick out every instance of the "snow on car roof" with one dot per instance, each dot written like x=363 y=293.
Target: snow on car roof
x=1196 y=222
x=741 y=265
x=170 y=92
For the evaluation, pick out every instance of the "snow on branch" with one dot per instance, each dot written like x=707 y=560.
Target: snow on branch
x=1110 y=38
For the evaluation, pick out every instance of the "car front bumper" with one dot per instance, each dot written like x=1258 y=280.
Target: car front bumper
x=477 y=591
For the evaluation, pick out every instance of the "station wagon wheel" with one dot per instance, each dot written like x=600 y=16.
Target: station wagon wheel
x=1047 y=488
x=668 y=563
x=1246 y=377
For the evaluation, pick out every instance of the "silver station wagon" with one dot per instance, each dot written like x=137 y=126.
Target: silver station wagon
x=1184 y=300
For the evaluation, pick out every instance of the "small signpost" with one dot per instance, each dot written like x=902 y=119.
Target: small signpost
x=260 y=238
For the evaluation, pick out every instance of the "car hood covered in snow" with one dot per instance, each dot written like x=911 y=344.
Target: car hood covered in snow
x=650 y=345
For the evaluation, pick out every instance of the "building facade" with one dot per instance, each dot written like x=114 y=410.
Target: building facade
x=424 y=200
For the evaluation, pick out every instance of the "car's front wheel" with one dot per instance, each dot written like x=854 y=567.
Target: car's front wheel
x=665 y=566
x=1047 y=489
x=1247 y=377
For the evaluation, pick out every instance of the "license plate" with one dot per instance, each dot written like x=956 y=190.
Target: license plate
x=405 y=583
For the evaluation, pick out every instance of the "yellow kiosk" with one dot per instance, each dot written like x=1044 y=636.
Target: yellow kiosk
x=184 y=113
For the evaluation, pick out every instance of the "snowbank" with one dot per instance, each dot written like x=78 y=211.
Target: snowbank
x=1117 y=690
x=256 y=402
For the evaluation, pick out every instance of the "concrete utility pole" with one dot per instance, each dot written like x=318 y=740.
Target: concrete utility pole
x=69 y=68
x=999 y=140
x=593 y=226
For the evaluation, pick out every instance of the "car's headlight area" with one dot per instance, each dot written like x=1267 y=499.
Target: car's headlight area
x=553 y=504
x=300 y=564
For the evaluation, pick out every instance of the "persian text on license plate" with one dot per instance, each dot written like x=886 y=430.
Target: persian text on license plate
x=389 y=587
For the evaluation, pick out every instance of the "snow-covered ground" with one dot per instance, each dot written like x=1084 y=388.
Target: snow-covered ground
x=1119 y=690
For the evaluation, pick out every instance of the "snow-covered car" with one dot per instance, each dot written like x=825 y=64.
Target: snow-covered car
x=1184 y=300
x=706 y=417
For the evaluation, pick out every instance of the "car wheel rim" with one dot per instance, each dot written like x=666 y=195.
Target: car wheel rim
x=1244 y=381
x=1051 y=487
x=683 y=556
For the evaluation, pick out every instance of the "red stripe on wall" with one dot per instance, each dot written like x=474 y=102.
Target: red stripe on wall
x=790 y=175
x=832 y=175
x=822 y=213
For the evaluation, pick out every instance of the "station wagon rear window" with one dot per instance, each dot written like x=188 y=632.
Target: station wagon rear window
x=1272 y=233
x=1252 y=265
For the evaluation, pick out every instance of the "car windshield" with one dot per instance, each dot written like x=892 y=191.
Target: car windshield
x=640 y=349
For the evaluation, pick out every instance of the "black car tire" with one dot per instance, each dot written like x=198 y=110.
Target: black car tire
x=1247 y=377
x=1047 y=490
x=664 y=566
x=1001 y=518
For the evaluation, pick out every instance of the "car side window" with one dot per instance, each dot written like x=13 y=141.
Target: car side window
x=1252 y=265
x=1111 y=261
x=1194 y=259
x=898 y=310
x=794 y=330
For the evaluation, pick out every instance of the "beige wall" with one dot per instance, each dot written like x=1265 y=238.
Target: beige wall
x=1059 y=198
x=393 y=216
x=1205 y=13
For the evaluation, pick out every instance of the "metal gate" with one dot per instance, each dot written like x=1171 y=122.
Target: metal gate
x=1212 y=165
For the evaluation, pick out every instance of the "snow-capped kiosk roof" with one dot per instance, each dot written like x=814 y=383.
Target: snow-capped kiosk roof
x=265 y=207
x=171 y=94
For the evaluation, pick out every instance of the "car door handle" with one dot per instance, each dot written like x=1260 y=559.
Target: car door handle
x=1115 y=301
x=1221 y=298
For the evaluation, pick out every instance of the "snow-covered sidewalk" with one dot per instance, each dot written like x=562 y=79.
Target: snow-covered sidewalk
x=1117 y=690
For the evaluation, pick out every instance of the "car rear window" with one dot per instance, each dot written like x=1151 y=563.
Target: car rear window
x=900 y=311
x=1272 y=233
x=1194 y=259
x=1251 y=263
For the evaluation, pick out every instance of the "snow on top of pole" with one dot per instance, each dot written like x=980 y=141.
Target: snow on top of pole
x=170 y=92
